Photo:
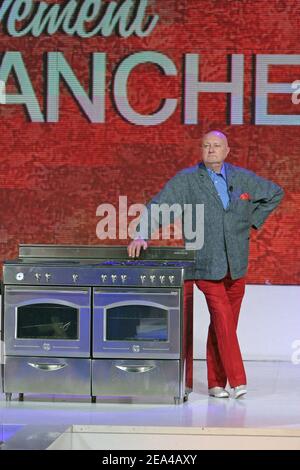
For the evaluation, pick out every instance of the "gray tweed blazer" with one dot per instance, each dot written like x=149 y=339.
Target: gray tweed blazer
x=226 y=232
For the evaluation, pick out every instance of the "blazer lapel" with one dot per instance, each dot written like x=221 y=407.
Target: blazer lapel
x=205 y=181
x=230 y=176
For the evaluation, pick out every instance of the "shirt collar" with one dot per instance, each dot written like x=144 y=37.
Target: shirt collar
x=222 y=172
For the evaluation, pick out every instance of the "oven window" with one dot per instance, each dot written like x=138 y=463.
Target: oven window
x=136 y=323
x=47 y=321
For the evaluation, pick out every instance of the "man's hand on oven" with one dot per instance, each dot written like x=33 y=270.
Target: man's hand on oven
x=134 y=248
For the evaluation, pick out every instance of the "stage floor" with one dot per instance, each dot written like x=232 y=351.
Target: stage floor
x=269 y=412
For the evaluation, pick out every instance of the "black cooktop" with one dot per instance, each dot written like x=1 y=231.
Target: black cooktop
x=143 y=263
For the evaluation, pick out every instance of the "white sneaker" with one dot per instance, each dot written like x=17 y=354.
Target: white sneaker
x=239 y=391
x=218 y=392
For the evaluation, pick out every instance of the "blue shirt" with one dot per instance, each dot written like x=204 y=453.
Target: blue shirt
x=220 y=183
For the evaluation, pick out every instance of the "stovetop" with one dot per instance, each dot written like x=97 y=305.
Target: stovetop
x=106 y=271
x=81 y=263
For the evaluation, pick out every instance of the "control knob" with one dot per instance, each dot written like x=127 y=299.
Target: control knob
x=20 y=276
x=113 y=278
x=38 y=276
x=123 y=278
x=171 y=279
x=48 y=277
x=103 y=277
x=152 y=278
x=75 y=277
x=162 y=279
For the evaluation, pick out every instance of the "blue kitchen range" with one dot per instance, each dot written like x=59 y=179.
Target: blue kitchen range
x=90 y=321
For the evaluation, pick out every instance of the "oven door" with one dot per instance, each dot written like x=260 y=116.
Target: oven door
x=48 y=321
x=141 y=323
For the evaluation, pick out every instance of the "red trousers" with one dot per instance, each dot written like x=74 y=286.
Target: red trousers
x=224 y=359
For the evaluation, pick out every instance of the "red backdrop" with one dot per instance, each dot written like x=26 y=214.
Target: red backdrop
x=54 y=176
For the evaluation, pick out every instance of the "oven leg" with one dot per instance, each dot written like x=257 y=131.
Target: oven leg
x=93 y=399
x=21 y=396
x=8 y=396
x=177 y=400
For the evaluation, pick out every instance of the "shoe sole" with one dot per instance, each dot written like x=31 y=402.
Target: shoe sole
x=218 y=396
x=240 y=394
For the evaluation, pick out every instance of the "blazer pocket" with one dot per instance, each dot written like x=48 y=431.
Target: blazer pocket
x=243 y=209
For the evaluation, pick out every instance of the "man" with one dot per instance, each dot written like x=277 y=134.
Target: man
x=234 y=199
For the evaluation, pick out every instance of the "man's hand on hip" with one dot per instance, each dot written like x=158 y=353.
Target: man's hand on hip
x=134 y=248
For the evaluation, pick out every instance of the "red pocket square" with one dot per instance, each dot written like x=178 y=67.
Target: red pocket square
x=245 y=196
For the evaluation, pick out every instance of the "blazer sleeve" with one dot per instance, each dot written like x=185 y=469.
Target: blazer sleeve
x=163 y=209
x=265 y=197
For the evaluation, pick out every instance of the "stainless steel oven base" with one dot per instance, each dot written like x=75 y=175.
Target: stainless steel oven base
x=132 y=378
x=47 y=375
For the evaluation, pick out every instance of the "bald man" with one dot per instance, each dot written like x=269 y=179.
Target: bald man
x=235 y=200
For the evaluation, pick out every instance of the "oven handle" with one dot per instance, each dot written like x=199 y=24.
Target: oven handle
x=47 y=367
x=135 y=369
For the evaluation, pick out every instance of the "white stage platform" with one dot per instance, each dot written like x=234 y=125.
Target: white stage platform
x=268 y=417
